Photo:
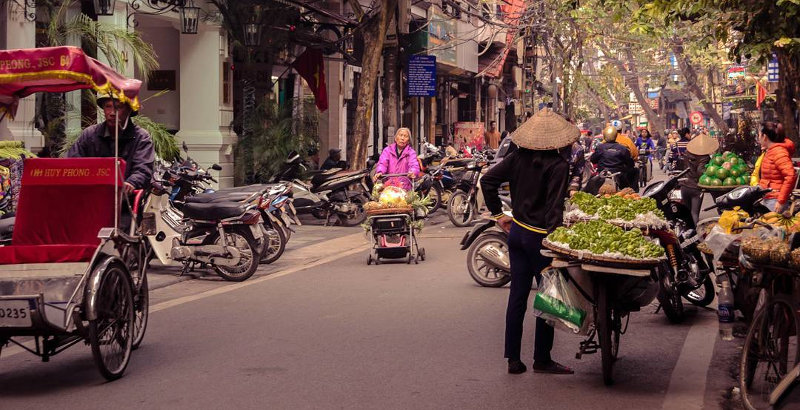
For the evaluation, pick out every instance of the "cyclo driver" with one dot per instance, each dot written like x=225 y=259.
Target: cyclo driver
x=135 y=144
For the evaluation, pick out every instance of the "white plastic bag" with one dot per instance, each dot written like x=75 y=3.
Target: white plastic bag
x=561 y=304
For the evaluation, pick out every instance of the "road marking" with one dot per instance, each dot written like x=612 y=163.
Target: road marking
x=687 y=386
x=229 y=288
x=15 y=350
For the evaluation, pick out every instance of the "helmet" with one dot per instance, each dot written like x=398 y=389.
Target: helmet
x=102 y=97
x=610 y=133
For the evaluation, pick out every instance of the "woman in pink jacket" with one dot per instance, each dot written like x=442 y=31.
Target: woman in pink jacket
x=399 y=158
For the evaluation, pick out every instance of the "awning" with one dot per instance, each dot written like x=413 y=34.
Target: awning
x=59 y=69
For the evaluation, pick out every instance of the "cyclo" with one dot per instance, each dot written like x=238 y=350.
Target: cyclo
x=70 y=273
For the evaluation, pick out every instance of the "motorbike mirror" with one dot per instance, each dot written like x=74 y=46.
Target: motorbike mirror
x=216 y=167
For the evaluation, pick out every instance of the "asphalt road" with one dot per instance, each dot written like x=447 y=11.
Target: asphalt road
x=332 y=332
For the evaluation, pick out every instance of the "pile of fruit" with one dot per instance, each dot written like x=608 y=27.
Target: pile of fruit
x=392 y=197
x=620 y=208
x=604 y=239
x=770 y=251
x=790 y=225
x=725 y=170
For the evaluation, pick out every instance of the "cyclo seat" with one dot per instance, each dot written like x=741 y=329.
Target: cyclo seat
x=213 y=211
x=231 y=196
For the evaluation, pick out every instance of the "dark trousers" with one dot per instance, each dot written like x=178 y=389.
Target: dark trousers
x=526 y=262
x=693 y=198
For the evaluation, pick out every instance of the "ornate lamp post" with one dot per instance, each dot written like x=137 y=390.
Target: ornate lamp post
x=252 y=34
x=104 y=7
x=190 y=16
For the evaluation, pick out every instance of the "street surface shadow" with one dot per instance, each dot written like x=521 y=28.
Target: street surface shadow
x=36 y=378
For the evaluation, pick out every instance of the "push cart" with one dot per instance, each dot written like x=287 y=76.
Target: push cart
x=70 y=274
x=391 y=231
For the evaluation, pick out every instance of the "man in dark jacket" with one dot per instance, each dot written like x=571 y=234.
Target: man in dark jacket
x=135 y=144
x=538 y=175
x=613 y=157
x=334 y=160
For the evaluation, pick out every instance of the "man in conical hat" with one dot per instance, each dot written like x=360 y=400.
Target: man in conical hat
x=538 y=173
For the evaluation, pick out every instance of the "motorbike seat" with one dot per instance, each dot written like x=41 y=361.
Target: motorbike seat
x=247 y=188
x=213 y=211
x=7 y=227
x=322 y=178
x=218 y=197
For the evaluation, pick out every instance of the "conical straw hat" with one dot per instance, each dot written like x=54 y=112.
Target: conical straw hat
x=546 y=130
x=702 y=144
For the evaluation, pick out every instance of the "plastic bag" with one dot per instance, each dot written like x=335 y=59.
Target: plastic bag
x=559 y=302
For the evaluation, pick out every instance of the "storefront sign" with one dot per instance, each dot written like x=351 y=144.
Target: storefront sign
x=442 y=36
x=469 y=134
x=772 y=69
x=696 y=117
x=421 y=76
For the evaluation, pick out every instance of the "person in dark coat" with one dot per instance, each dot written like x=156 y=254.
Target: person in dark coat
x=697 y=155
x=538 y=175
x=613 y=157
x=135 y=145
x=334 y=159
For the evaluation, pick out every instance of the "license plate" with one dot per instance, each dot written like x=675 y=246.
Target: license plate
x=15 y=313
x=257 y=231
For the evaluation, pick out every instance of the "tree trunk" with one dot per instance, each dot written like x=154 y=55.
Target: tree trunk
x=690 y=75
x=374 y=36
x=632 y=81
x=787 y=92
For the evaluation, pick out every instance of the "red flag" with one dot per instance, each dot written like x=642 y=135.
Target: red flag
x=761 y=94
x=311 y=67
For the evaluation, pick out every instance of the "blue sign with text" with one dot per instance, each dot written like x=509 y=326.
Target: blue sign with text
x=421 y=76
x=772 y=69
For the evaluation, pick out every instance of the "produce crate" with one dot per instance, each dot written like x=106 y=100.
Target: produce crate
x=390 y=211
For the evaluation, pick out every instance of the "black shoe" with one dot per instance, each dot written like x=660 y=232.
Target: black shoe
x=550 y=367
x=516 y=367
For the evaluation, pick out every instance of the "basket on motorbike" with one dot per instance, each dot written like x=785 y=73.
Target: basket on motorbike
x=392 y=230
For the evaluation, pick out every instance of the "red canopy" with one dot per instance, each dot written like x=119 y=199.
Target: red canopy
x=59 y=69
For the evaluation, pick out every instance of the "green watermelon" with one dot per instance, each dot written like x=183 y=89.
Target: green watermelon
x=743 y=180
x=718 y=160
x=716 y=182
x=705 y=180
x=734 y=161
x=712 y=170
x=723 y=173
x=730 y=181
x=735 y=172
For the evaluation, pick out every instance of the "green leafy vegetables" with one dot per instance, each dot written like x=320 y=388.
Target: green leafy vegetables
x=598 y=237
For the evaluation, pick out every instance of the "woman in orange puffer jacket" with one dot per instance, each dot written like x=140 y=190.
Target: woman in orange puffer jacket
x=777 y=170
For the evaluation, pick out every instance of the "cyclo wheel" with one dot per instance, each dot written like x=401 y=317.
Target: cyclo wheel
x=605 y=327
x=141 y=313
x=111 y=333
x=770 y=350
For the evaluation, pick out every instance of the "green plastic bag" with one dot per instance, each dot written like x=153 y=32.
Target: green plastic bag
x=558 y=301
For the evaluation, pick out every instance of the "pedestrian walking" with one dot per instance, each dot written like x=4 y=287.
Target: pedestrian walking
x=538 y=174
x=492 y=136
x=777 y=170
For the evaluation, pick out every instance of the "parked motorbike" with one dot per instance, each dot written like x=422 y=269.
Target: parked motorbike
x=689 y=272
x=330 y=193
x=222 y=235
x=488 y=260
x=465 y=204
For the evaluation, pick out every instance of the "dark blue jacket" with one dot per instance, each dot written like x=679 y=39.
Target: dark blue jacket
x=135 y=147
x=612 y=157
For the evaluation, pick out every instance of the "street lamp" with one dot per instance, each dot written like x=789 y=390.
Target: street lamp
x=190 y=16
x=252 y=34
x=104 y=7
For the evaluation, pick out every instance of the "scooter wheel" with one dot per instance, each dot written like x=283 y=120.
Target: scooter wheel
x=421 y=254
x=369 y=259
